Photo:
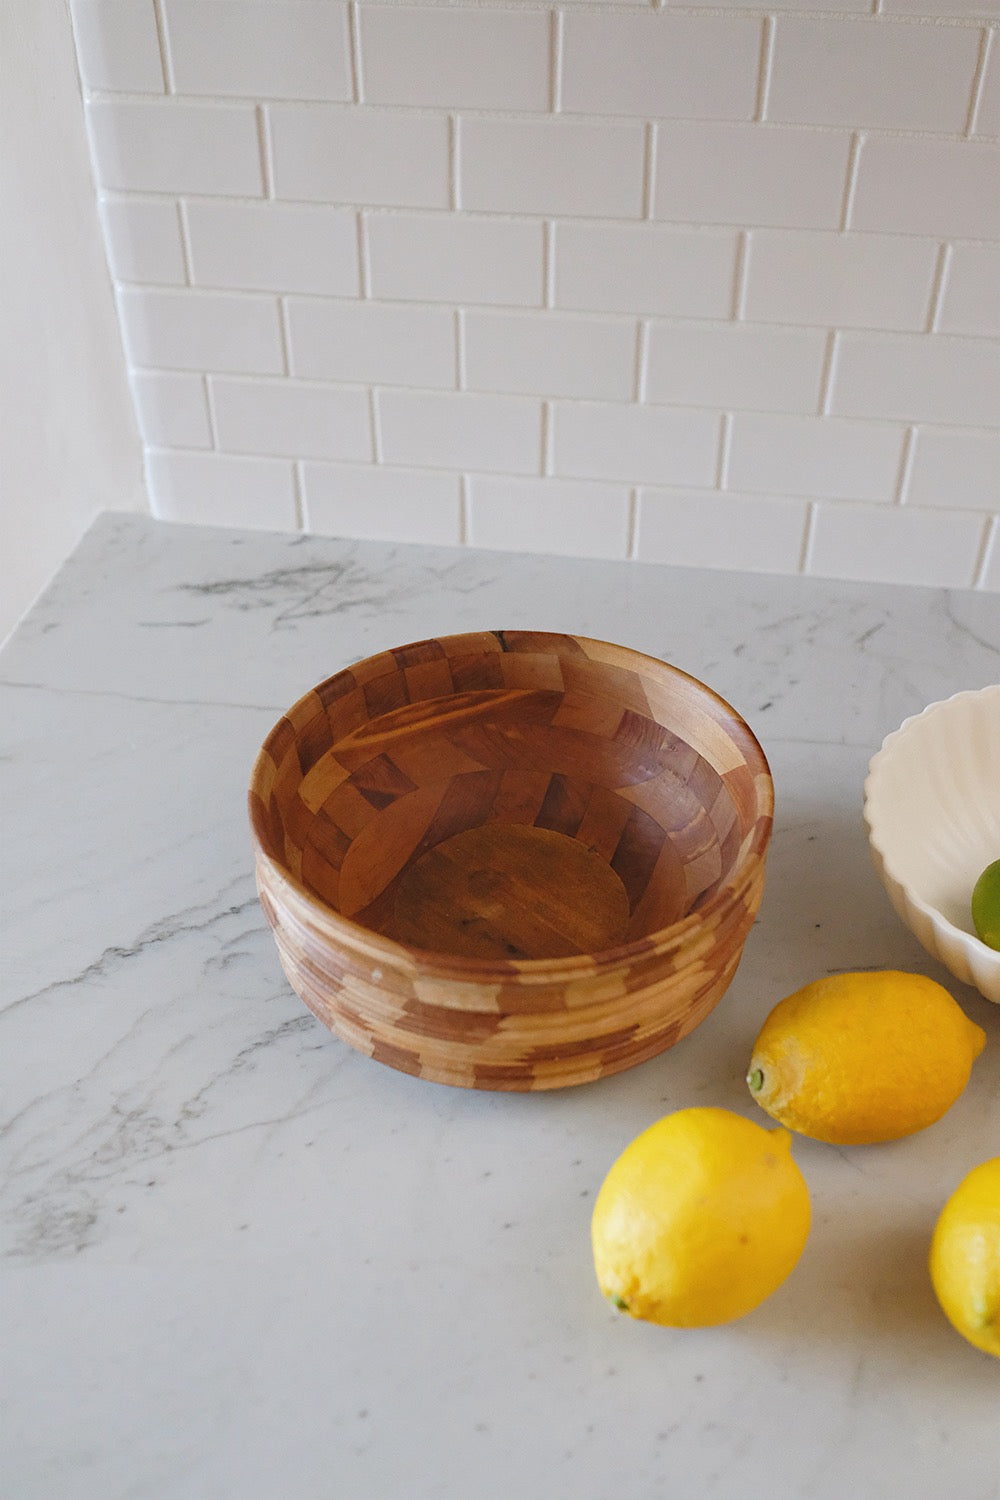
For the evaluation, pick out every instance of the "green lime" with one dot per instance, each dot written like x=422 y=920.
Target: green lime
x=986 y=905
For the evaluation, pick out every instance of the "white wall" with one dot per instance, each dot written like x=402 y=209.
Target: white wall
x=69 y=446
x=705 y=284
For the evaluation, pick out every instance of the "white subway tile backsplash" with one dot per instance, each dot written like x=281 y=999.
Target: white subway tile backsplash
x=455 y=58
x=991 y=560
x=735 y=365
x=372 y=343
x=895 y=544
x=971 y=301
x=280 y=247
x=871 y=72
x=549 y=354
x=814 y=456
x=988 y=116
x=575 y=518
x=457 y=259
x=652 y=63
x=637 y=444
x=291 y=419
x=235 y=333
x=172 y=409
x=215 y=489
x=287 y=49
x=588 y=167
x=143 y=240
x=839 y=280
x=925 y=186
x=955 y=469
x=393 y=505
x=711 y=173
x=703 y=529
x=918 y=378
x=645 y=269
x=459 y=431
x=159 y=146
x=117 y=46
x=359 y=155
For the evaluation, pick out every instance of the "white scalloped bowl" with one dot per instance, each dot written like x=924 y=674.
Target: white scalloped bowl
x=932 y=806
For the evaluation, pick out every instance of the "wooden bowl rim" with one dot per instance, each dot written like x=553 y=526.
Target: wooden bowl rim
x=491 y=970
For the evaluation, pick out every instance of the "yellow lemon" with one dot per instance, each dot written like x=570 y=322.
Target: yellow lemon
x=965 y=1257
x=858 y=1058
x=699 y=1220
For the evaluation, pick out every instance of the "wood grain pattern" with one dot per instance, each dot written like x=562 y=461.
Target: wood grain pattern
x=510 y=859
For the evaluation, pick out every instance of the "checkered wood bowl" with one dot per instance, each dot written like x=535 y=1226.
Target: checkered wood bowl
x=510 y=860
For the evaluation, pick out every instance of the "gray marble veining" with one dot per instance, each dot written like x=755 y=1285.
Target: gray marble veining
x=239 y=1258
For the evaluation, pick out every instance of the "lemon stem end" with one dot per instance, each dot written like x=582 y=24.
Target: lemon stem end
x=755 y=1078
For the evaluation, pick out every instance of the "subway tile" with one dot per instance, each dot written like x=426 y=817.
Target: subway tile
x=923 y=186
x=259 y=48
x=773 y=454
x=918 y=378
x=645 y=269
x=291 y=419
x=215 y=489
x=839 y=280
x=169 y=146
x=455 y=58
x=574 y=518
x=556 y=166
x=117 y=46
x=988 y=115
x=654 y=64
x=360 y=155
x=858 y=72
x=971 y=302
x=143 y=240
x=550 y=355
x=172 y=409
x=382 y=503
x=846 y=6
x=372 y=343
x=955 y=469
x=228 y=332
x=280 y=247
x=924 y=9
x=711 y=173
x=895 y=544
x=735 y=365
x=705 y=529
x=634 y=444
x=460 y=431
x=449 y=258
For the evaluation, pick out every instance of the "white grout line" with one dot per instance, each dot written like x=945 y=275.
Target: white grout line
x=649 y=171
x=641 y=360
x=828 y=373
x=454 y=162
x=549 y=263
x=464 y=511
x=364 y=261
x=286 y=335
x=851 y=185
x=460 y=349
x=213 y=426
x=905 y=466
x=299 y=494
x=266 y=157
x=163 y=42
x=185 y=233
x=376 y=426
x=725 y=445
x=990 y=544
x=546 y=469
x=766 y=61
x=357 y=75
x=556 y=62
x=979 y=81
x=805 y=559
x=939 y=288
x=632 y=535
x=740 y=275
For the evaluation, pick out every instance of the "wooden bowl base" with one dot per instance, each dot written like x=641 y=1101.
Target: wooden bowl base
x=510 y=891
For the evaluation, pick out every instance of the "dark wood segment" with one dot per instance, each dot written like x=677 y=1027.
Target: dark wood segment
x=510 y=859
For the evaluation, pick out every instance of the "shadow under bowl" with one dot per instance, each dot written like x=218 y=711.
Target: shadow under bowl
x=510 y=859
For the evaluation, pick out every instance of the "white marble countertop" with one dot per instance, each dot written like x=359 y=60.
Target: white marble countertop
x=242 y=1260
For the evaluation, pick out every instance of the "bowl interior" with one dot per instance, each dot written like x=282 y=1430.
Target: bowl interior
x=512 y=795
x=933 y=802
